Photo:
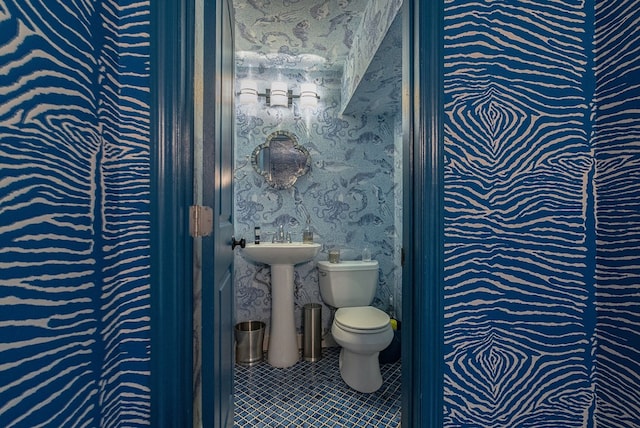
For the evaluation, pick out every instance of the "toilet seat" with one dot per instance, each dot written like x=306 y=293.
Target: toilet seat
x=362 y=319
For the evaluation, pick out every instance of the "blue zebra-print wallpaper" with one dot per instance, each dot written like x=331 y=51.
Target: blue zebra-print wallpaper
x=542 y=267
x=74 y=213
x=542 y=262
x=616 y=144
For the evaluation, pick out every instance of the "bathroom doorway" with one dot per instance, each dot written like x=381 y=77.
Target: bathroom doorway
x=174 y=380
x=356 y=134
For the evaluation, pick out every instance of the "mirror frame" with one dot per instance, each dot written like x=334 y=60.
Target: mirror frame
x=301 y=163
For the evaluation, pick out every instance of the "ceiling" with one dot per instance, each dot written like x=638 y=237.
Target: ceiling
x=308 y=34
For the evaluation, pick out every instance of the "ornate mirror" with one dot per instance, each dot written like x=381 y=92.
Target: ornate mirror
x=281 y=160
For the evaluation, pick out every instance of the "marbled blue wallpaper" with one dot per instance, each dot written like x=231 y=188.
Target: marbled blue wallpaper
x=353 y=191
x=374 y=63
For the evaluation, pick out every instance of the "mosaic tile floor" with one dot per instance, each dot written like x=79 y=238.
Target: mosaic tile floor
x=313 y=395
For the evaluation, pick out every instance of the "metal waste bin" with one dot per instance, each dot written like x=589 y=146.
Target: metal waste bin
x=249 y=338
x=312 y=349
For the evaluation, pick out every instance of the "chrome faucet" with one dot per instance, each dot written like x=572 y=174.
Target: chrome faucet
x=280 y=235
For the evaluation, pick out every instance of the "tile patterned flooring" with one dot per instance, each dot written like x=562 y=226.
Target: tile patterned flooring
x=313 y=395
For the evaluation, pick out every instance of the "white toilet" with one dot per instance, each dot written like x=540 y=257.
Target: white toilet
x=362 y=331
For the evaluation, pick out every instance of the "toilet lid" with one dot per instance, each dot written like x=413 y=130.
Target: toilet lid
x=362 y=318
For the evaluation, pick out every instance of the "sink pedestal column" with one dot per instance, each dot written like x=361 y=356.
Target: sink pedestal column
x=283 y=340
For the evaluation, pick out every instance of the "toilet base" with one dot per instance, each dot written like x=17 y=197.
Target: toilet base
x=360 y=372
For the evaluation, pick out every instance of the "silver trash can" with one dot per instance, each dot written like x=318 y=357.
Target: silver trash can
x=249 y=338
x=312 y=349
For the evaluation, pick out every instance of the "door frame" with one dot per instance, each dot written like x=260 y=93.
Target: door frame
x=423 y=219
x=171 y=149
x=171 y=166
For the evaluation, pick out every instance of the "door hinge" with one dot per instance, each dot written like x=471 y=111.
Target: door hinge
x=200 y=221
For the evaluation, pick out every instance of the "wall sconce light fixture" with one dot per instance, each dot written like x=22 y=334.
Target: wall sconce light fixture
x=278 y=95
x=308 y=95
x=248 y=92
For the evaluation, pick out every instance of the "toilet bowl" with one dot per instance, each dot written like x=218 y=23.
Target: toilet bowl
x=362 y=331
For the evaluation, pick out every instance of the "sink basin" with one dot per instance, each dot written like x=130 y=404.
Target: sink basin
x=283 y=340
x=287 y=253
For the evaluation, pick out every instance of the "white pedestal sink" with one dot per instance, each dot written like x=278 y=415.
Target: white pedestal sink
x=283 y=342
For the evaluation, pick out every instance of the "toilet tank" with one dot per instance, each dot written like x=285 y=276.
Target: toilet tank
x=348 y=283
